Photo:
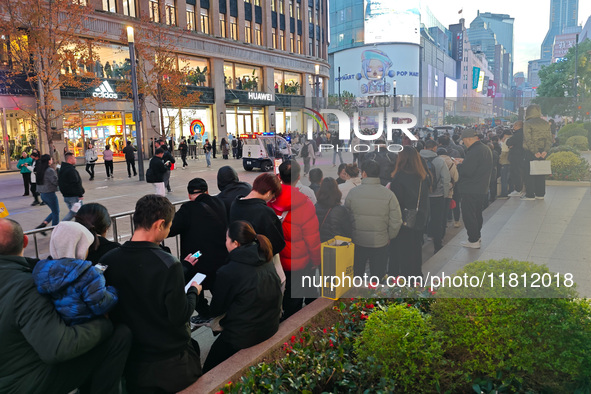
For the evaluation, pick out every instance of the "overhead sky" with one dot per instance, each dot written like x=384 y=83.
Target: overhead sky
x=532 y=19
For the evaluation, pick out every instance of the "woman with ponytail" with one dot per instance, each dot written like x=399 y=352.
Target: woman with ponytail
x=248 y=291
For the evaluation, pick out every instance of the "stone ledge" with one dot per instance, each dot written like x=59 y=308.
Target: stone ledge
x=234 y=367
x=550 y=182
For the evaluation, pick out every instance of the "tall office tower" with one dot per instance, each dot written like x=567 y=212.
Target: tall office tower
x=563 y=13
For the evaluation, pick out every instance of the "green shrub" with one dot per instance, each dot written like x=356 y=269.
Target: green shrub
x=399 y=343
x=541 y=344
x=579 y=142
x=571 y=130
x=568 y=166
x=564 y=148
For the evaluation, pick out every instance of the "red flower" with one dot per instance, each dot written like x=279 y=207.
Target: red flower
x=372 y=287
x=330 y=343
x=293 y=338
x=324 y=330
x=409 y=305
x=369 y=306
x=363 y=317
x=220 y=392
x=301 y=329
x=302 y=340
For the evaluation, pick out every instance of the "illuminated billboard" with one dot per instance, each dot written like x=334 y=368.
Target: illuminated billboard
x=392 y=21
x=366 y=71
x=451 y=89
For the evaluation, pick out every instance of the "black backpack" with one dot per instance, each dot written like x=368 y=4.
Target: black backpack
x=305 y=150
x=149 y=176
x=432 y=173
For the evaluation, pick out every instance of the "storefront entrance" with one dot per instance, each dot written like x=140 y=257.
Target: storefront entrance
x=245 y=120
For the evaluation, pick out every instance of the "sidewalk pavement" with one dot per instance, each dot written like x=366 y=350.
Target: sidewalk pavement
x=554 y=231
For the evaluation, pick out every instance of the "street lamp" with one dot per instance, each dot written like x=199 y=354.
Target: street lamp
x=137 y=114
x=317 y=85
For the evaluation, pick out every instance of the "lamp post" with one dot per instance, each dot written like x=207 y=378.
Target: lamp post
x=575 y=81
x=317 y=86
x=137 y=114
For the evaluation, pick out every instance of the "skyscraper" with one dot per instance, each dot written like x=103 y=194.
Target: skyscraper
x=563 y=13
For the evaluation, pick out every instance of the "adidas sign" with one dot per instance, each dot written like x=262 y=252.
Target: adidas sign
x=105 y=91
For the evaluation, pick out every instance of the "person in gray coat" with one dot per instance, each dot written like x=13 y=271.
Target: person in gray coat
x=376 y=218
x=439 y=191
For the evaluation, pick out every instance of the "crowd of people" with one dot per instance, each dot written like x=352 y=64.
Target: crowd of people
x=95 y=310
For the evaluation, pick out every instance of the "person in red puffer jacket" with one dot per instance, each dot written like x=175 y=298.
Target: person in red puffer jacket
x=301 y=254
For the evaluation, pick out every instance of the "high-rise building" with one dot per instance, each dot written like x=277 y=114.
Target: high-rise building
x=563 y=13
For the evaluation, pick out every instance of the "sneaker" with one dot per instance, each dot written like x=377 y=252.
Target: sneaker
x=472 y=245
x=539 y=197
x=35 y=203
x=200 y=321
x=457 y=224
x=526 y=198
x=514 y=193
x=91 y=179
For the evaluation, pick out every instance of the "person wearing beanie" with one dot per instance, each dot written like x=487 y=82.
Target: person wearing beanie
x=76 y=287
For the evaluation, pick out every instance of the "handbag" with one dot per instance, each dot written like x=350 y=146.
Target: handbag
x=540 y=167
x=410 y=215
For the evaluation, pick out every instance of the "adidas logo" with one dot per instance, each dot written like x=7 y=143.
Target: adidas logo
x=105 y=91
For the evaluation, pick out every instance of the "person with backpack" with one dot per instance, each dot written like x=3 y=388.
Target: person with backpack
x=441 y=180
x=454 y=176
x=307 y=153
x=156 y=171
x=234 y=148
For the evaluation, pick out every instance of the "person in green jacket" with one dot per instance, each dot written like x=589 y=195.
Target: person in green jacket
x=23 y=164
x=537 y=141
x=40 y=353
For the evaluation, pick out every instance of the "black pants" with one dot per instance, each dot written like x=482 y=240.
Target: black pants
x=131 y=166
x=184 y=158
x=35 y=193
x=457 y=198
x=90 y=169
x=437 y=220
x=377 y=257
x=98 y=371
x=406 y=253
x=516 y=176
x=220 y=351
x=472 y=213
x=27 y=182
x=535 y=185
x=492 y=187
x=293 y=301
x=213 y=152
x=109 y=167
x=446 y=211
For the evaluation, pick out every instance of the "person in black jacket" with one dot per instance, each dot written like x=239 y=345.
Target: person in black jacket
x=156 y=171
x=333 y=218
x=96 y=219
x=202 y=224
x=248 y=291
x=130 y=159
x=70 y=185
x=254 y=210
x=475 y=172
x=409 y=177
x=153 y=303
x=230 y=187
x=168 y=160
x=184 y=149
x=516 y=159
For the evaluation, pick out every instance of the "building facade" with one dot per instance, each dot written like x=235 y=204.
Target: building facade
x=563 y=14
x=256 y=64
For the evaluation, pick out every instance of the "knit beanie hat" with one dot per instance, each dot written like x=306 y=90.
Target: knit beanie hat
x=70 y=240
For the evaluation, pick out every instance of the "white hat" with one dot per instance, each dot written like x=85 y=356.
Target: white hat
x=70 y=240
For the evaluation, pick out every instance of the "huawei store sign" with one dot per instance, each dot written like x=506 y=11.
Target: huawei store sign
x=105 y=91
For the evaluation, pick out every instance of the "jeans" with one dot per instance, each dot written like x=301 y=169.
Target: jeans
x=505 y=168
x=208 y=158
x=51 y=200
x=306 y=165
x=131 y=166
x=184 y=159
x=378 y=260
x=90 y=170
x=109 y=167
x=70 y=201
x=334 y=156
x=166 y=178
x=472 y=213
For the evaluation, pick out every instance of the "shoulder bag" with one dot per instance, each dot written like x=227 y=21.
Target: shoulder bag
x=409 y=216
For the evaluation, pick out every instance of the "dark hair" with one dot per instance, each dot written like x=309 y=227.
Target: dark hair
x=289 y=171
x=409 y=161
x=94 y=217
x=244 y=234
x=352 y=170
x=430 y=144
x=68 y=155
x=107 y=147
x=329 y=193
x=267 y=183
x=158 y=151
x=315 y=175
x=443 y=140
x=341 y=167
x=41 y=167
x=12 y=241
x=151 y=208
x=371 y=168
x=420 y=145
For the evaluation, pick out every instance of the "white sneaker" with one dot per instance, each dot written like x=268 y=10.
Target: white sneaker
x=472 y=245
x=525 y=198
x=457 y=224
x=539 y=197
x=514 y=193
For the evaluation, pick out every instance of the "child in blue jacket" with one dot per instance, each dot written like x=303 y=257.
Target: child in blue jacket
x=76 y=287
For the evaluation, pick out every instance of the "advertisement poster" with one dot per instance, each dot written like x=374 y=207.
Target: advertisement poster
x=392 y=21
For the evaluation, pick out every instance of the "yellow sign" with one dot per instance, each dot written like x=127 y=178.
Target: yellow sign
x=3 y=210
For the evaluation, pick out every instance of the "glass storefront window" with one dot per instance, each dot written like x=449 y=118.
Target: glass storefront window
x=242 y=77
x=178 y=124
x=288 y=121
x=287 y=82
x=197 y=70
x=245 y=120
x=101 y=60
x=21 y=135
